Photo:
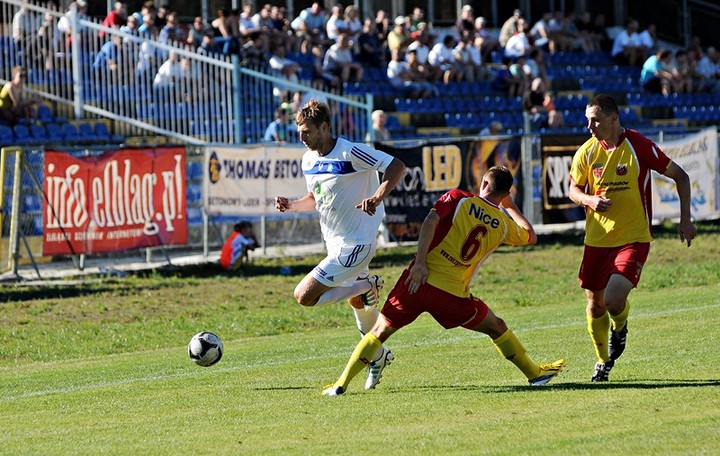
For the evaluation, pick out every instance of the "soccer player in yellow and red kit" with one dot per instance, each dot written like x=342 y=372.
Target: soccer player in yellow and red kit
x=610 y=176
x=461 y=231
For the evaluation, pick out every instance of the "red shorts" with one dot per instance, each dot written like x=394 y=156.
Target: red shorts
x=402 y=308
x=599 y=263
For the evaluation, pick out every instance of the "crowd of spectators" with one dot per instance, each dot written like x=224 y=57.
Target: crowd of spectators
x=338 y=46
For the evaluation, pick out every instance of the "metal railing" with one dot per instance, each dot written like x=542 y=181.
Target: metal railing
x=148 y=87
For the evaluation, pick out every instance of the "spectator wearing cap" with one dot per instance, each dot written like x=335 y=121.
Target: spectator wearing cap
x=509 y=27
x=398 y=37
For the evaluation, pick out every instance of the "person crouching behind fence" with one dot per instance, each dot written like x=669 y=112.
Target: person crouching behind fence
x=235 y=250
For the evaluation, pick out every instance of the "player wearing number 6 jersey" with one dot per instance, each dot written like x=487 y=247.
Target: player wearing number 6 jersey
x=458 y=235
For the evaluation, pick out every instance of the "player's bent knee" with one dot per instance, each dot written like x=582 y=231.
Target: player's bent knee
x=303 y=299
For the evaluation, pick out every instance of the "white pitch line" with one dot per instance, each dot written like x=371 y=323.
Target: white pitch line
x=466 y=335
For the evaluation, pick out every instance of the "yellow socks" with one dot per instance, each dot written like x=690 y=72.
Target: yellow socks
x=362 y=356
x=619 y=320
x=599 y=329
x=513 y=350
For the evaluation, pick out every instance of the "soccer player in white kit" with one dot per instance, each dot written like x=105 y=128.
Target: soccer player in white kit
x=344 y=187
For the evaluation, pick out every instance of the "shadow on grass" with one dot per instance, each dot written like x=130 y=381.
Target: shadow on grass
x=56 y=291
x=626 y=384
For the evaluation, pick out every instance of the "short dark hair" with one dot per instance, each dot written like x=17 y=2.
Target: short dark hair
x=606 y=103
x=500 y=180
x=242 y=225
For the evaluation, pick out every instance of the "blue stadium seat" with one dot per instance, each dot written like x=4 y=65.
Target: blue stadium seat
x=22 y=135
x=7 y=138
x=54 y=132
x=87 y=133
x=44 y=114
x=70 y=132
x=39 y=133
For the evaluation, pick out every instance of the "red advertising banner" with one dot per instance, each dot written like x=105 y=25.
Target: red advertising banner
x=119 y=200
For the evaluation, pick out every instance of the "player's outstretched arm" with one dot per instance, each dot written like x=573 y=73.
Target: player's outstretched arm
x=686 y=228
x=304 y=204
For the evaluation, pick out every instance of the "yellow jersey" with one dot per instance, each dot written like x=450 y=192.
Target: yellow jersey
x=469 y=230
x=622 y=175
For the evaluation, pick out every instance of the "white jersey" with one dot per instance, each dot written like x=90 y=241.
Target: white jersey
x=339 y=181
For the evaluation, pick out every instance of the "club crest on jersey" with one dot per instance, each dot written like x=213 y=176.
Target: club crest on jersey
x=621 y=170
x=597 y=170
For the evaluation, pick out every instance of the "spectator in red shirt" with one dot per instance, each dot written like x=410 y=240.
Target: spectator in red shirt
x=115 y=18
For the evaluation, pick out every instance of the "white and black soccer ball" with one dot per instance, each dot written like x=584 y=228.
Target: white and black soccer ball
x=205 y=348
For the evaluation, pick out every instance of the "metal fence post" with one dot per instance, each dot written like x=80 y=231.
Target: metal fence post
x=237 y=106
x=15 y=214
x=526 y=159
x=76 y=62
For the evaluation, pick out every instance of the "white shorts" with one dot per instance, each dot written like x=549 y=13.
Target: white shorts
x=344 y=265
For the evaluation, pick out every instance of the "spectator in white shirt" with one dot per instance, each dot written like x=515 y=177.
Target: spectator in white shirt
x=627 y=49
x=169 y=73
x=335 y=24
x=339 y=61
x=441 y=56
x=518 y=44
x=648 y=38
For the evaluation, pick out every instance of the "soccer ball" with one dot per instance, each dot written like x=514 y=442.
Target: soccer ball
x=205 y=349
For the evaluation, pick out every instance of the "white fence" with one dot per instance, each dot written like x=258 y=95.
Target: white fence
x=91 y=70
